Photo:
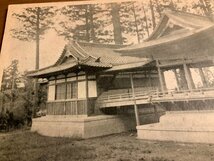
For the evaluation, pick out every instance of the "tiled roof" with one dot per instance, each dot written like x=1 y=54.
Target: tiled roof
x=192 y=24
x=107 y=53
x=52 y=69
x=91 y=55
x=128 y=66
x=163 y=40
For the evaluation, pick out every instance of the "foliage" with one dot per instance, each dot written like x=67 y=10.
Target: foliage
x=16 y=107
x=34 y=21
x=104 y=22
x=11 y=76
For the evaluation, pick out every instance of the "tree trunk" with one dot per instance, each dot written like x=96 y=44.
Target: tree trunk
x=152 y=14
x=136 y=25
x=115 y=8
x=37 y=58
x=205 y=5
x=158 y=8
x=37 y=37
x=146 y=20
x=91 y=13
x=87 y=24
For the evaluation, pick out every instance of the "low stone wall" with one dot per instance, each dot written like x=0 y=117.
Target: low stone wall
x=87 y=127
x=79 y=127
x=185 y=126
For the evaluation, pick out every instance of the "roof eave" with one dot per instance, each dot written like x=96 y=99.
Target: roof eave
x=140 y=48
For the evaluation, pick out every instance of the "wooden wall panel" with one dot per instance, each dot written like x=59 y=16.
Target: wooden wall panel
x=67 y=108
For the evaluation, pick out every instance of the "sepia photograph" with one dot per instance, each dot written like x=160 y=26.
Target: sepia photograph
x=112 y=80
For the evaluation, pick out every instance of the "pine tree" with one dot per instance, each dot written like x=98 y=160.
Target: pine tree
x=115 y=13
x=82 y=23
x=207 y=7
x=34 y=23
x=11 y=77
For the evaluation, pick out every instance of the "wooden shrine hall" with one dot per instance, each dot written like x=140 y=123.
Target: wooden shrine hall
x=104 y=82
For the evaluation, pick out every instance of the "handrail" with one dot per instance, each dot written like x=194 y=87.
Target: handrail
x=149 y=94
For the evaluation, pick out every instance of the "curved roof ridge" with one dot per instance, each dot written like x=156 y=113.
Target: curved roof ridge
x=61 y=56
x=83 y=54
x=83 y=51
x=182 y=18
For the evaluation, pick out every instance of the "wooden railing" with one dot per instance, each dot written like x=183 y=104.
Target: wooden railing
x=142 y=96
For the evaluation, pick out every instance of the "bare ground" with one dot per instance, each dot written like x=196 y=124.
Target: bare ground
x=27 y=146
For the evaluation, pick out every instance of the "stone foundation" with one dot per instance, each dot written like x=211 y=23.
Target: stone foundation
x=86 y=127
x=188 y=126
x=81 y=127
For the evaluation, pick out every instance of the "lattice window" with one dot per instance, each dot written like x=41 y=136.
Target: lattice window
x=60 y=91
x=72 y=90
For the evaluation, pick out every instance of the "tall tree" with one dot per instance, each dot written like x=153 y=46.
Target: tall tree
x=152 y=14
x=11 y=76
x=207 y=8
x=34 y=23
x=146 y=20
x=115 y=13
x=82 y=22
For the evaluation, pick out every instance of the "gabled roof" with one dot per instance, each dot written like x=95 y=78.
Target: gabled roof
x=185 y=25
x=185 y=20
x=88 y=54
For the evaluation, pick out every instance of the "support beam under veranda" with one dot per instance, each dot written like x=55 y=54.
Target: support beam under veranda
x=134 y=99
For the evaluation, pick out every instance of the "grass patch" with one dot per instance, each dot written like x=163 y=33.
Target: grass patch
x=28 y=146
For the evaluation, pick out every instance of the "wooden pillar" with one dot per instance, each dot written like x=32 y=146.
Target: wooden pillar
x=150 y=79
x=182 y=81
x=55 y=87
x=65 y=94
x=135 y=105
x=176 y=78
x=188 y=77
x=191 y=79
x=77 y=94
x=66 y=87
x=86 y=87
x=54 y=104
x=203 y=79
x=161 y=77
